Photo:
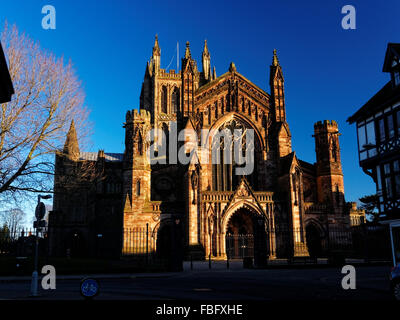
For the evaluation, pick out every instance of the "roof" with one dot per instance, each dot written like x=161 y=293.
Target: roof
x=6 y=86
x=286 y=162
x=109 y=157
x=387 y=95
x=307 y=166
x=392 y=52
x=384 y=97
x=211 y=83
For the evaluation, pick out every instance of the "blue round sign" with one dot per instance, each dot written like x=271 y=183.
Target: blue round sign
x=89 y=288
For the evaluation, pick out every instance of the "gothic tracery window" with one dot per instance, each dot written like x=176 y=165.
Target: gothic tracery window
x=224 y=173
x=294 y=178
x=138 y=143
x=334 y=151
x=165 y=141
x=138 y=188
x=164 y=100
x=175 y=100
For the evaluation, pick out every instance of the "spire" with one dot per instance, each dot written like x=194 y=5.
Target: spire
x=232 y=67
x=275 y=61
x=214 y=74
x=205 y=50
x=206 y=63
x=187 y=52
x=156 y=58
x=276 y=82
x=71 y=146
x=156 y=47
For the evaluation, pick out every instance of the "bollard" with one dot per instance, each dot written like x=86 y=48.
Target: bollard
x=34 y=281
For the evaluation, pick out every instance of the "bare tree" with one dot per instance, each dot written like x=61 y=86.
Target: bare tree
x=34 y=124
x=14 y=219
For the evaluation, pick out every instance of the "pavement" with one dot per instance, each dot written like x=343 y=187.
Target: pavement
x=218 y=283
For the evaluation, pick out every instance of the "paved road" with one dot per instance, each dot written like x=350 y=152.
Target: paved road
x=220 y=284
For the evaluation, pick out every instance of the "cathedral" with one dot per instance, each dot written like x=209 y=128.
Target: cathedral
x=210 y=202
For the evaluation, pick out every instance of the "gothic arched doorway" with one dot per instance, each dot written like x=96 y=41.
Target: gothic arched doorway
x=314 y=240
x=239 y=237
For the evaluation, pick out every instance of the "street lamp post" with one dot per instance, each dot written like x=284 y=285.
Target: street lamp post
x=40 y=211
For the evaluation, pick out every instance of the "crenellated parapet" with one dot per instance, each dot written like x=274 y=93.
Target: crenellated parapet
x=136 y=116
x=169 y=75
x=325 y=126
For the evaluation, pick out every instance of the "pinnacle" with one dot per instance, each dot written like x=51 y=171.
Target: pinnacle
x=187 y=52
x=156 y=48
x=275 y=61
x=205 y=51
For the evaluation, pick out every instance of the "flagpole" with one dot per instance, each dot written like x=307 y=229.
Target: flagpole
x=177 y=56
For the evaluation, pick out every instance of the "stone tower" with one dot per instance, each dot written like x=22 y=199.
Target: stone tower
x=329 y=167
x=276 y=83
x=136 y=166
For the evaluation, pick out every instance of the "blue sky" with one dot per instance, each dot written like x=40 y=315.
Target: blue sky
x=329 y=72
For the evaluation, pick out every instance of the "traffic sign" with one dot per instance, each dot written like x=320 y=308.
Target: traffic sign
x=40 y=211
x=40 y=224
x=89 y=288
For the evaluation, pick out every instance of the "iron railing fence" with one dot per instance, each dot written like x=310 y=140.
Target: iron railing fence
x=239 y=246
x=154 y=248
x=365 y=242
x=139 y=242
x=22 y=242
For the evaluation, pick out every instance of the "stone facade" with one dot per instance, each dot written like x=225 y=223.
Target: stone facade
x=208 y=199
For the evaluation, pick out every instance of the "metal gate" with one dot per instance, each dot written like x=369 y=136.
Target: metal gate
x=239 y=246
